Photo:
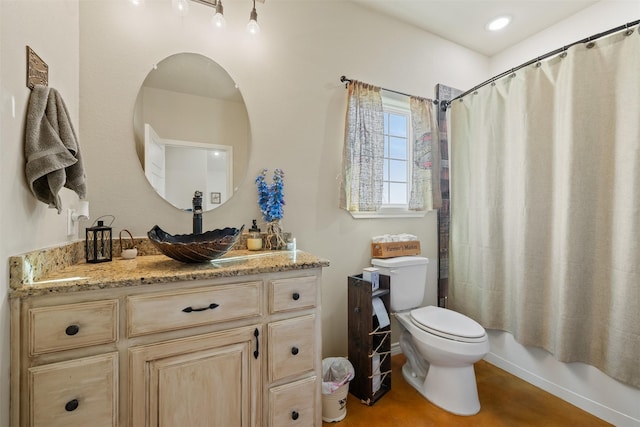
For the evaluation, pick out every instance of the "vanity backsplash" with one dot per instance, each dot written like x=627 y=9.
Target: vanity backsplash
x=33 y=266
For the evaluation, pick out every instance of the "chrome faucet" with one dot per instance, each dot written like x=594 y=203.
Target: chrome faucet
x=197 y=212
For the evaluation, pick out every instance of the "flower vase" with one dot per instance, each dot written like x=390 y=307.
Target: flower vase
x=275 y=236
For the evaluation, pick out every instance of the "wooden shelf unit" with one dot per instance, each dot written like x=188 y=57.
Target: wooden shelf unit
x=366 y=337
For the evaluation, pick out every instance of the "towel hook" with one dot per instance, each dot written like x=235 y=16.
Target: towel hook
x=37 y=70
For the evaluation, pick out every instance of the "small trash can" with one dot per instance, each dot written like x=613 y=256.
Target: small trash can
x=336 y=374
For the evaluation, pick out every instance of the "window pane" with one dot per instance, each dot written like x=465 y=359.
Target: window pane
x=398 y=193
x=385 y=170
x=397 y=148
x=397 y=125
x=386 y=146
x=397 y=170
x=385 y=193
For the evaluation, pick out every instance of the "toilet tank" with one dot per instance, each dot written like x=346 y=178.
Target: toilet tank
x=408 y=280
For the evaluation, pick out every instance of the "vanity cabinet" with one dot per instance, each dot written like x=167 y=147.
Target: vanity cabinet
x=228 y=351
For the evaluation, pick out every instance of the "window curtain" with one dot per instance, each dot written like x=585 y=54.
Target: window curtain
x=425 y=173
x=545 y=205
x=362 y=157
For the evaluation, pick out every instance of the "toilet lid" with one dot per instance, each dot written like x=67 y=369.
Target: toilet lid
x=447 y=324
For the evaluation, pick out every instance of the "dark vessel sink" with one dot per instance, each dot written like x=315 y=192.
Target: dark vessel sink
x=195 y=247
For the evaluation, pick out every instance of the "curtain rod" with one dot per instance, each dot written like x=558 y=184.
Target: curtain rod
x=445 y=104
x=346 y=80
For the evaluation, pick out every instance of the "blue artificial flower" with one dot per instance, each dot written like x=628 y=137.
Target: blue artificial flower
x=271 y=197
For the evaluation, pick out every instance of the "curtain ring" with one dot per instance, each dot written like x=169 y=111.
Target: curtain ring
x=538 y=63
x=564 y=52
x=628 y=31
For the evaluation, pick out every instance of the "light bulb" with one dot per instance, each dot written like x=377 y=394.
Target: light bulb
x=218 y=19
x=180 y=6
x=252 y=27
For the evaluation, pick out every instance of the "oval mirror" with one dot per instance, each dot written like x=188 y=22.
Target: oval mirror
x=191 y=131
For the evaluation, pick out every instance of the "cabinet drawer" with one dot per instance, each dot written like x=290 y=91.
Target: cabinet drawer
x=292 y=294
x=159 y=312
x=80 y=392
x=64 y=327
x=293 y=404
x=292 y=346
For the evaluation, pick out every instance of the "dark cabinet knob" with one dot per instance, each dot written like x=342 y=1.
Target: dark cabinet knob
x=295 y=296
x=72 y=330
x=295 y=415
x=294 y=350
x=71 y=405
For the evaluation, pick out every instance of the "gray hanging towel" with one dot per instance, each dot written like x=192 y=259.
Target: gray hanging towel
x=51 y=148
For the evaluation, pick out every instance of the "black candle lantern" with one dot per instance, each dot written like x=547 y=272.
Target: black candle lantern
x=98 y=246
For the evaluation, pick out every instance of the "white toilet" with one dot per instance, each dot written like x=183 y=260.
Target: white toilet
x=441 y=345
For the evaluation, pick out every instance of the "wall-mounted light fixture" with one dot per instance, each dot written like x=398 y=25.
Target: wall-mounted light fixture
x=219 y=19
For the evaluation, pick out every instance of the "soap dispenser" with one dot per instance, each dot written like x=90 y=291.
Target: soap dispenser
x=254 y=239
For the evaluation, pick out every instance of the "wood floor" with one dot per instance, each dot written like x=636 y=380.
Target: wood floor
x=505 y=400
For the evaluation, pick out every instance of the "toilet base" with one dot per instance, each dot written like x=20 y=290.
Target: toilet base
x=450 y=388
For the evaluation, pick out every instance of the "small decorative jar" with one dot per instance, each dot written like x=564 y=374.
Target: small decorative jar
x=254 y=239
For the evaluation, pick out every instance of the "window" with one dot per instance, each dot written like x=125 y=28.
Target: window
x=397 y=130
x=384 y=136
x=398 y=137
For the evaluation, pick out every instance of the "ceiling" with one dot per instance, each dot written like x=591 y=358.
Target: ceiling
x=463 y=21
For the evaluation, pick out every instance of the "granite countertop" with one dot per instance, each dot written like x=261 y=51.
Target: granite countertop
x=56 y=271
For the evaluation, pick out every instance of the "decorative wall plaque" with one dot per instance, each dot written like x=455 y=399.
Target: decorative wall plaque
x=37 y=70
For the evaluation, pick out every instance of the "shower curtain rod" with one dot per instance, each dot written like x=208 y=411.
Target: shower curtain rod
x=445 y=104
x=346 y=81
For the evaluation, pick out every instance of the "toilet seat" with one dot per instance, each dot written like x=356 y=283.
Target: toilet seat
x=447 y=324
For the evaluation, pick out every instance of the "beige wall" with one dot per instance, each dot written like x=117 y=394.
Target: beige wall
x=99 y=53
x=51 y=29
x=289 y=77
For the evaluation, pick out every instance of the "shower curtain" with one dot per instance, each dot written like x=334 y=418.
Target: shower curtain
x=545 y=205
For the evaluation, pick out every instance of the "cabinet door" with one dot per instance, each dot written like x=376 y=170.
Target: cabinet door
x=200 y=381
